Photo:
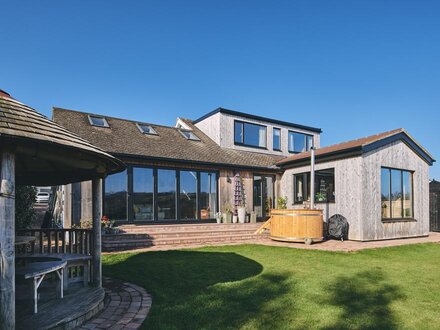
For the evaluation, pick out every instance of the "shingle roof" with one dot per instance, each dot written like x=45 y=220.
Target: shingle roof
x=124 y=138
x=364 y=144
x=20 y=124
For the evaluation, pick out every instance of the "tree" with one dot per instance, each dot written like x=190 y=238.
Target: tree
x=25 y=215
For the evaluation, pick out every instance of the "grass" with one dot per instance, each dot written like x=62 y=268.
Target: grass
x=261 y=287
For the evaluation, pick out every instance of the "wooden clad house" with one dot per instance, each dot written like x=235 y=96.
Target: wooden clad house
x=183 y=174
x=378 y=183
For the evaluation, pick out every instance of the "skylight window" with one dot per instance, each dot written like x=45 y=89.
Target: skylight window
x=189 y=135
x=146 y=129
x=98 y=121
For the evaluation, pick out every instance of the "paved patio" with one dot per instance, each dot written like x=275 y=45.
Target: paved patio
x=126 y=306
x=331 y=245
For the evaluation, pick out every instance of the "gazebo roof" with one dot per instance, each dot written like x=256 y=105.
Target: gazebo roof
x=46 y=153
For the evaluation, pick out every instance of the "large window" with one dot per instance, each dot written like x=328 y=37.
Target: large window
x=166 y=194
x=324 y=186
x=143 y=194
x=396 y=194
x=276 y=139
x=188 y=195
x=299 y=142
x=248 y=134
x=115 y=204
x=208 y=195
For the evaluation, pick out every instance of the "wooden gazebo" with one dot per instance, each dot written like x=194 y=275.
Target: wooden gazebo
x=36 y=151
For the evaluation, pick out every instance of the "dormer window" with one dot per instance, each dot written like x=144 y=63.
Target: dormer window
x=98 y=121
x=249 y=135
x=189 y=135
x=146 y=129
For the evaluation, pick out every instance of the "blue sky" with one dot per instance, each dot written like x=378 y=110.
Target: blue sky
x=353 y=68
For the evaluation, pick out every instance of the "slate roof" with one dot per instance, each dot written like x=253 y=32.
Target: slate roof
x=123 y=138
x=360 y=146
x=22 y=125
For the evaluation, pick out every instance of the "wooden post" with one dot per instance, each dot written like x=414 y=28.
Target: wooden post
x=97 y=215
x=7 y=240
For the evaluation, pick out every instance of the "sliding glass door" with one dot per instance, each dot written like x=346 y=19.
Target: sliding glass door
x=143 y=194
x=188 y=195
x=166 y=194
x=263 y=191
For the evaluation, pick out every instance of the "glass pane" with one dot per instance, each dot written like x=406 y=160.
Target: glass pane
x=257 y=193
x=276 y=139
x=385 y=193
x=301 y=182
x=254 y=135
x=208 y=195
x=396 y=194
x=116 y=196
x=407 y=195
x=325 y=185
x=309 y=139
x=143 y=191
x=98 y=121
x=238 y=132
x=188 y=195
x=166 y=194
x=268 y=195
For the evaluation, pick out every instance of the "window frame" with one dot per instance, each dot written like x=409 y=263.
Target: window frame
x=401 y=218
x=307 y=187
x=139 y=126
x=106 y=125
x=155 y=220
x=242 y=143
x=273 y=138
x=195 y=138
x=305 y=141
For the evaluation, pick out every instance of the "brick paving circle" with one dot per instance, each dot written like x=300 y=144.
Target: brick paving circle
x=126 y=306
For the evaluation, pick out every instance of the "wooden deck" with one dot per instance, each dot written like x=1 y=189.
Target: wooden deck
x=79 y=304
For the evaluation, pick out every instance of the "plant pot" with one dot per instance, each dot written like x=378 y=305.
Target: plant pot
x=234 y=219
x=219 y=219
x=227 y=217
x=241 y=214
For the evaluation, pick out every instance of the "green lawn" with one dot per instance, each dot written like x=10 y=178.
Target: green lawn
x=261 y=287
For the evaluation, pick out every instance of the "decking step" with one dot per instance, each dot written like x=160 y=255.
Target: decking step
x=125 y=244
x=185 y=227
x=180 y=233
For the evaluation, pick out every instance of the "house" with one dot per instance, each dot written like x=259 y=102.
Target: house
x=379 y=183
x=183 y=174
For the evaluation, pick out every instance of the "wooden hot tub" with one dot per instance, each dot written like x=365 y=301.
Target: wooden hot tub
x=302 y=225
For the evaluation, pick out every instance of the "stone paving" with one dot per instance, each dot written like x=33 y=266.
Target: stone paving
x=126 y=306
x=330 y=245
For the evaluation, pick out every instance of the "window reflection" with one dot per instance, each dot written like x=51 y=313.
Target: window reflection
x=188 y=195
x=166 y=194
x=115 y=204
x=208 y=195
x=143 y=191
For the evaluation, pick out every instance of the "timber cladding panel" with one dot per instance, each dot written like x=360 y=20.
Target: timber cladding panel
x=348 y=192
x=395 y=155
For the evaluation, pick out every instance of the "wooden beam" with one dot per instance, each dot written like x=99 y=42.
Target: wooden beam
x=7 y=240
x=97 y=215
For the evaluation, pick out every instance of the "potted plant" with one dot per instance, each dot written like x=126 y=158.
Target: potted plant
x=282 y=203
x=241 y=213
x=227 y=213
x=218 y=217
x=107 y=225
x=321 y=197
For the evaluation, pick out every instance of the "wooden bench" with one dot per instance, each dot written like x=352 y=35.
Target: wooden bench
x=72 y=262
x=38 y=270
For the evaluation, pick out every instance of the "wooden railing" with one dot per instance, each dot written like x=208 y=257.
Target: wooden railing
x=52 y=240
